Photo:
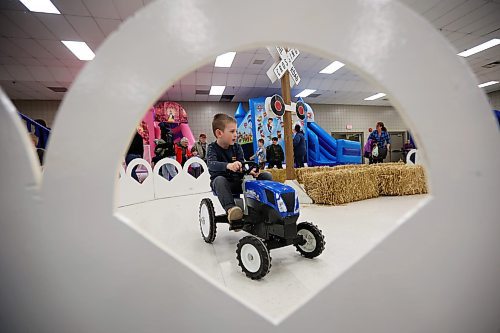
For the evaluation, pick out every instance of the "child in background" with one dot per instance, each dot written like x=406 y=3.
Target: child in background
x=224 y=160
x=261 y=154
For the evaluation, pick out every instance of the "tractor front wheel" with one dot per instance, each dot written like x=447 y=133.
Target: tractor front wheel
x=314 y=240
x=253 y=257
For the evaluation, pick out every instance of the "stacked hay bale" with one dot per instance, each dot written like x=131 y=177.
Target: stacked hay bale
x=342 y=185
x=401 y=179
x=347 y=183
x=302 y=172
x=279 y=175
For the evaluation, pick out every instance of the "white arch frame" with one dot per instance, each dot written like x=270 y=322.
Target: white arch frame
x=85 y=257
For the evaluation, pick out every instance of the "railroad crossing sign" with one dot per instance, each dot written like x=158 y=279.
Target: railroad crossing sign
x=283 y=62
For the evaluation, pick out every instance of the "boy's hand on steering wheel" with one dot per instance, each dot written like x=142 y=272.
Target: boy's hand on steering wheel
x=254 y=172
x=234 y=167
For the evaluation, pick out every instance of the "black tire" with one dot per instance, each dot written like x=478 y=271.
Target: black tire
x=208 y=227
x=253 y=257
x=315 y=241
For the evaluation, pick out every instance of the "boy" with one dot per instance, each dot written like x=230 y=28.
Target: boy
x=275 y=155
x=224 y=160
x=261 y=154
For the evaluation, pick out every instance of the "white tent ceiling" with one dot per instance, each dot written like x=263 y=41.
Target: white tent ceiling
x=32 y=58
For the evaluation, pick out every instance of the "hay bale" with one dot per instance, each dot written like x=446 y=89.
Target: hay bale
x=401 y=179
x=301 y=172
x=279 y=175
x=335 y=187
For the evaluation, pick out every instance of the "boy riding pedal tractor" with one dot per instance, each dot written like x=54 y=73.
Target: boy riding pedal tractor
x=224 y=161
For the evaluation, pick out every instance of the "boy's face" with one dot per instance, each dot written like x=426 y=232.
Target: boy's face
x=275 y=142
x=261 y=143
x=229 y=135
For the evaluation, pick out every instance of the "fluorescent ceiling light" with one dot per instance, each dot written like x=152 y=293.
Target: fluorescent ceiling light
x=332 y=68
x=225 y=60
x=482 y=85
x=305 y=93
x=376 y=96
x=480 y=47
x=40 y=6
x=217 y=90
x=80 y=49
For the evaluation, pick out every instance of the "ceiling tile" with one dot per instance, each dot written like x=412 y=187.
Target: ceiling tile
x=471 y=17
x=4 y=75
x=19 y=73
x=219 y=79
x=11 y=49
x=40 y=73
x=108 y=25
x=32 y=47
x=10 y=29
x=12 y=5
x=127 y=8
x=61 y=74
x=51 y=62
x=71 y=7
x=233 y=79
x=28 y=22
x=9 y=61
x=189 y=79
x=29 y=62
x=87 y=28
x=102 y=8
x=58 y=49
x=59 y=26
x=203 y=79
x=248 y=80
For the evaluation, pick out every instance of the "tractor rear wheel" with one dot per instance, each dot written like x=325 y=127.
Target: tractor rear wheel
x=208 y=227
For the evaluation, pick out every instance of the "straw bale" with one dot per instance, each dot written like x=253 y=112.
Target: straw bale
x=279 y=175
x=401 y=179
x=335 y=187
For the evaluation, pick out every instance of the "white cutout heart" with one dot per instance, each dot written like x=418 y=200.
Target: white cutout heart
x=68 y=264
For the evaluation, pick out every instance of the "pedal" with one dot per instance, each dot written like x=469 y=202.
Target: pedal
x=236 y=225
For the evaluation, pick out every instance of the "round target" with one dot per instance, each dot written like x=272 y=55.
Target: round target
x=300 y=110
x=278 y=105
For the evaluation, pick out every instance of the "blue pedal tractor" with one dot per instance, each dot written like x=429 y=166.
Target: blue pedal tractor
x=271 y=211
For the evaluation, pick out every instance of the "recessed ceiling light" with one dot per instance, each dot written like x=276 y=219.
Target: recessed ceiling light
x=489 y=83
x=332 y=68
x=376 y=96
x=80 y=49
x=480 y=47
x=305 y=93
x=217 y=90
x=40 y=6
x=225 y=60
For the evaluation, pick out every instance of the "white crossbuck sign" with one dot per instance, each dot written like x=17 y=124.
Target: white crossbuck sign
x=283 y=62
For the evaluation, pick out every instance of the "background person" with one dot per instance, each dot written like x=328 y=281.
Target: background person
x=199 y=150
x=136 y=150
x=275 y=155
x=165 y=148
x=383 y=140
x=299 y=147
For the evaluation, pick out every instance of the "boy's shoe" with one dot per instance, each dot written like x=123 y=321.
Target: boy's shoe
x=234 y=214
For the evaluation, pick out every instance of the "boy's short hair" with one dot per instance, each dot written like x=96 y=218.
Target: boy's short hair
x=220 y=121
x=203 y=135
x=275 y=139
x=260 y=140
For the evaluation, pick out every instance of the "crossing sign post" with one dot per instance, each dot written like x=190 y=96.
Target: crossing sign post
x=283 y=69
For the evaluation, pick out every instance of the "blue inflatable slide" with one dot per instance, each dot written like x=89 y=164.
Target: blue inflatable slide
x=324 y=150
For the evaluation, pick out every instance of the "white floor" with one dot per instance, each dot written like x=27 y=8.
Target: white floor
x=350 y=232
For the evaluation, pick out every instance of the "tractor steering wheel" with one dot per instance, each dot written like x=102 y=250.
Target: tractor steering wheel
x=248 y=166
